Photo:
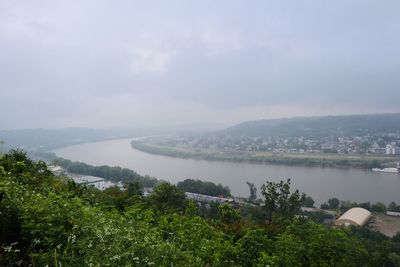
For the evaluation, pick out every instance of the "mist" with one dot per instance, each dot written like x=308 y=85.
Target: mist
x=191 y=64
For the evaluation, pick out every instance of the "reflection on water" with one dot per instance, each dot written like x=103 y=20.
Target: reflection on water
x=320 y=183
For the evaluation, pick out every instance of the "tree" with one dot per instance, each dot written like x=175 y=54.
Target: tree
x=396 y=238
x=251 y=245
x=333 y=203
x=1 y=143
x=204 y=187
x=393 y=207
x=308 y=202
x=378 y=207
x=191 y=208
x=279 y=202
x=135 y=189
x=346 y=205
x=168 y=196
x=114 y=197
x=365 y=205
x=228 y=214
x=324 y=206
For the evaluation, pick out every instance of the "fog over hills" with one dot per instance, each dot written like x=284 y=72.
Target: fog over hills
x=319 y=126
x=47 y=139
x=351 y=125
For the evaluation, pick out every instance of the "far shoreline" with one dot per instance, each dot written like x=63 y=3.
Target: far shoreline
x=356 y=162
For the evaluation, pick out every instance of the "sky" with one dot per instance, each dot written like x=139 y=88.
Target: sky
x=210 y=64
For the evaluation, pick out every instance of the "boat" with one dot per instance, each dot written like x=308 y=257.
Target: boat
x=388 y=170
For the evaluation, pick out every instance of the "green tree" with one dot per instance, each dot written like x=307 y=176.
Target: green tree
x=279 y=201
x=393 y=207
x=333 y=203
x=1 y=145
x=228 y=214
x=191 y=208
x=346 y=205
x=378 y=207
x=168 y=196
x=365 y=205
x=204 y=187
x=253 y=243
x=134 y=189
x=114 y=197
x=396 y=238
x=308 y=202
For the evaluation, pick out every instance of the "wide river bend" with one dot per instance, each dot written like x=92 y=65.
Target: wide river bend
x=320 y=183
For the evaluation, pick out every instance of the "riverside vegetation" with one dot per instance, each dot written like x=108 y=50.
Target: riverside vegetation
x=49 y=220
x=336 y=141
x=324 y=160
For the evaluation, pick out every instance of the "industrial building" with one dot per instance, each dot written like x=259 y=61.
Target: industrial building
x=354 y=216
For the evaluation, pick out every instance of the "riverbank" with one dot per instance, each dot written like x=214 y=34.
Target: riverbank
x=296 y=159
x=343 y=183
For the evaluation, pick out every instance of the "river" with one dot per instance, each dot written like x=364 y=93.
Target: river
x=320 y=183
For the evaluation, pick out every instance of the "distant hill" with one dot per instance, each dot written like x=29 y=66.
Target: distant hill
x=48 y=139
x=355 y=125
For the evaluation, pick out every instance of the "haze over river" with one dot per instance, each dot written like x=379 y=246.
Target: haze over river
x=320 y=183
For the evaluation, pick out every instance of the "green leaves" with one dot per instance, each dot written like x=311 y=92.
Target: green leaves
x=203 y=187
x=46 y=220
x=280 y=203
x=168 y=196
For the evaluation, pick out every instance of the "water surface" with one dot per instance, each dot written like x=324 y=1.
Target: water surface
x=320 y=183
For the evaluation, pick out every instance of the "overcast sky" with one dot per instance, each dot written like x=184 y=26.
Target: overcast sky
x=129 y=63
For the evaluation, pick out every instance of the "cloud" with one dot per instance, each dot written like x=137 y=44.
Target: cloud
x=91 y=63
x=150 y=61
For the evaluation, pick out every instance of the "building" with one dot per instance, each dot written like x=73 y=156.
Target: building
x=206 y=198
x=392 y=213
x=392 y=150
x=97 y=182
x=354 y=216
x=57 y=170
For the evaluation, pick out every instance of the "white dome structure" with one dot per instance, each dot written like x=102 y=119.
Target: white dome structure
x=354 y=216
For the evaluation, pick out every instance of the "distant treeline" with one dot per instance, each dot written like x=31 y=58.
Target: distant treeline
x=115 y=174
x=336 y=204
x=314 y=127
x=124 y=175
x=324 y=162
x=205 y=188
x=360 y=162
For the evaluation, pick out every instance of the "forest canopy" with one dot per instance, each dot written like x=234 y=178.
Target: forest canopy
x=50 y=220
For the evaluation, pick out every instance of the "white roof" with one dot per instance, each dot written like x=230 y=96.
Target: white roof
x=392 y=213
x=354 y=216
x=87 y=179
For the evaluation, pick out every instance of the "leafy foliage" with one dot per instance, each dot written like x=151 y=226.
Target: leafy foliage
x=49 y=220
x=204 y=187
x=116 y=174
x=167 y=196
x=279 y=201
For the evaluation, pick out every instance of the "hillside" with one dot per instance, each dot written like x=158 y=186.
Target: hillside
x=49 y=220
x=352 y=125
x=48 y=139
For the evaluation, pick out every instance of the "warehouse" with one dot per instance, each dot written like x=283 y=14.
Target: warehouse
x=354 y=216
